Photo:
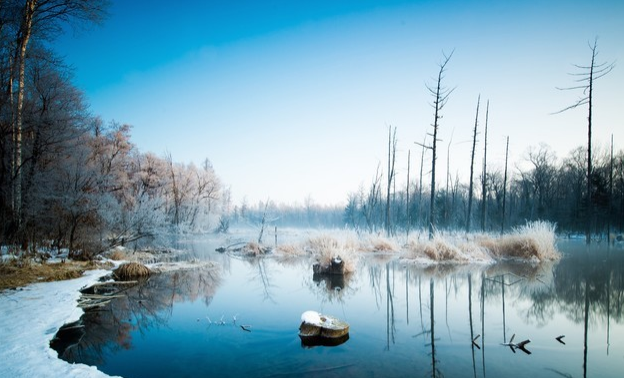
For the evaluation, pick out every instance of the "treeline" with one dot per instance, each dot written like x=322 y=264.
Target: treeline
x=549 y=189
x=310 y=214
x=68 y=179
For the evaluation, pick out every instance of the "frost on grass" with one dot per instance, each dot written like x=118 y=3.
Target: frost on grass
x=325 y=248
x=446 y=249
x=533 y=242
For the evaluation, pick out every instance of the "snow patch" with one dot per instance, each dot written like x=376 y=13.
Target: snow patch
x=311 y=317
x=30 y=318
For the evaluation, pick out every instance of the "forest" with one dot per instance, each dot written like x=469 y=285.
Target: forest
x=551 y=189
x=69 y=179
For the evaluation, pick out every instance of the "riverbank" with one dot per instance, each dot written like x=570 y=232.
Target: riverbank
x=30 y=318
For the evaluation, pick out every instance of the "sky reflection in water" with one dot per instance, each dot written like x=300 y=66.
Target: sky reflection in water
x=162 y=327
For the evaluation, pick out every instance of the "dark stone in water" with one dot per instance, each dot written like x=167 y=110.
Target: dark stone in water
x=336 y=266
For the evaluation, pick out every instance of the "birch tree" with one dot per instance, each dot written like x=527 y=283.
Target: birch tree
x=42 y=19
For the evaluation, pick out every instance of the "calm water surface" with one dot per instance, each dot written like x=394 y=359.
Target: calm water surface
x=406 y=320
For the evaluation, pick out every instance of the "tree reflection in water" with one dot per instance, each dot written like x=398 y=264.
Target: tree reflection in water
x=142 y=307
x=579 y=296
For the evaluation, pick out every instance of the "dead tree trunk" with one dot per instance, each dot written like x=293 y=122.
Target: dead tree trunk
x=440 y=96
x=408 y=217
x=587 y=77
x=470 y=185
x=392 y=143
x=484 y=176
x=505 y=186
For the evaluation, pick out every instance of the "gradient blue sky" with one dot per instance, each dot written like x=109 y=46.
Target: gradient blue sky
x=291 y=99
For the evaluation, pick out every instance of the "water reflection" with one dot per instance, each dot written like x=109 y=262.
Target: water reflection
x=139 y=309
x=406 y=319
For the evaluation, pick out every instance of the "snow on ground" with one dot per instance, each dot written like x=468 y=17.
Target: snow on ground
x=29 y=319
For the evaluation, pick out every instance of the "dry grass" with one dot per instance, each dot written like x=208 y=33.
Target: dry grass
x=118 y=255
x=254 y=249
x=324 y=248
x=16 y=273
x=534 y=241
x=439 y=249
x=131 y=270
x=380 y=244
x=290 y=250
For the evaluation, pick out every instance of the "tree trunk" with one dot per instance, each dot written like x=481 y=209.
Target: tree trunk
x=391 y=158
x=484 y=178
x=407 y=204
x=470 y=184
x=440 y=95
x=22 y=45
x=505 y=187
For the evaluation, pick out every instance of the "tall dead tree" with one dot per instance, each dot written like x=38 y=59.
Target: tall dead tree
x=471 y=184
x=505 y=186
x=609 y=212
x=420 y=181
x=586 y=78
x=392 y=144
x=408 y=215
x=447 y=206
x=440 y=96
x=484 y=176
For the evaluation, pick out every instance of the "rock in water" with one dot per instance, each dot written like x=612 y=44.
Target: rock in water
x=319 y=329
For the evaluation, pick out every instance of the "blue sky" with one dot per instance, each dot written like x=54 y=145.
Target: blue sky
x=291 y=99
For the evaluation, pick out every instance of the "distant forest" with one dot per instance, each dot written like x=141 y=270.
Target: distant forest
x=550 y=189
x=71 y=180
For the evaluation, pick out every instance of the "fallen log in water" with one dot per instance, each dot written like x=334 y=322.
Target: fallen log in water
x=108 y=288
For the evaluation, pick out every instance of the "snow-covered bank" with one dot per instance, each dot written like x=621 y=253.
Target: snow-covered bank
x=29 y=319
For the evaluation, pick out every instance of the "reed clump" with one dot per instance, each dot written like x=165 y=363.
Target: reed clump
x=131 y=270
x=325 y=248
x=534 y=241
x=255 y=249
x=380 y=244
x=290 y=250
x=437 y=249
x=118 y=255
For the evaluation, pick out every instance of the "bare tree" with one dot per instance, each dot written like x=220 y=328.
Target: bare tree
x=586 y=79
x=505 y=186
x=420 y=181
x=484 y=176
x=470 y=184
x=392 y=144
x=610 y=192
x=440 y=96
x=408 y=216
